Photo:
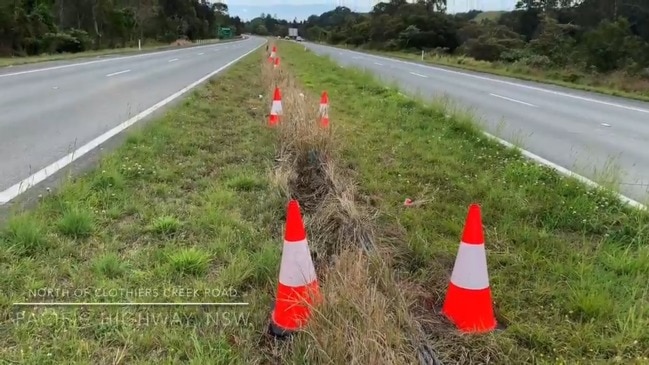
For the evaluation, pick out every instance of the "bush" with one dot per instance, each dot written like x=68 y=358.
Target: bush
x=84 y=39
x=490 y=49
x=72 y=41
x=32 y=46
x=537 y=61
x=514 y=55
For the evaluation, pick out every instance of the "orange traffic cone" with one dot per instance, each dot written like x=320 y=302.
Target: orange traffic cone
x=273 y=54
x=468 y=301
x=275 y=108
x=276 y=62
x=324 y=109
x=298 y=287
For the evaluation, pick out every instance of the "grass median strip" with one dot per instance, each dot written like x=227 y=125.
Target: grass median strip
x=191 y=209
x=182 y=212
x=568 y=264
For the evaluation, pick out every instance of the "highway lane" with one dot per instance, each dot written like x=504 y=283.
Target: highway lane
x=49 y=111
x=588 y=133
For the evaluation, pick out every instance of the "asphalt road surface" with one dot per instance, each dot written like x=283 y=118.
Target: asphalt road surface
x=49 y=111
x=590 y=134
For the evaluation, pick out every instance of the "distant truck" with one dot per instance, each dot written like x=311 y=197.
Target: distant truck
x=292 y=33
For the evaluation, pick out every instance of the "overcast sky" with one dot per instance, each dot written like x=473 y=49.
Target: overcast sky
x=290 y=8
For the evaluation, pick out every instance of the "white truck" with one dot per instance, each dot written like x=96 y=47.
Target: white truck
x=292 y=33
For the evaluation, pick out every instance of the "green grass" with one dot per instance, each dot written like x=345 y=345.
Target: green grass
x=568 y=265
x=16 y=61
x=186 y=210
x=183 y=204
x=616 y=84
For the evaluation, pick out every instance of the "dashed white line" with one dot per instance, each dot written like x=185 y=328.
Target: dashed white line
x=202 y=53
x=558 y=93
x=605 y=124
x=514 y=100
x=376 y=63
x=152 y=54
x=118 y=73
x=420 y=75
x=562 y=170
x=173 y=60
x=39 y=176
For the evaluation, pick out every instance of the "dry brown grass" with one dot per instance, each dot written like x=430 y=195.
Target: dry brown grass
x=180 y=42
x=366 y=316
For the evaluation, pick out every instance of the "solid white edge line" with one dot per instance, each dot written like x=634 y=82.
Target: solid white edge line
x=221 y=45
x=466 y=74
x=512 y=100
x=22 y=186
x=118 y=73
x=562 y=170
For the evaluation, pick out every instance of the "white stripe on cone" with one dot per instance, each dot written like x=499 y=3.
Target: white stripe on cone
x=324 y=110
x=470 y=270
x=276 y=108
x=297 y=267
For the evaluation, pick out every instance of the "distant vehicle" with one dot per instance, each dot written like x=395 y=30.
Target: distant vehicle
x=299 y=39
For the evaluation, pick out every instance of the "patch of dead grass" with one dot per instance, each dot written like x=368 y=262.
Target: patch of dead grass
x=365 y=317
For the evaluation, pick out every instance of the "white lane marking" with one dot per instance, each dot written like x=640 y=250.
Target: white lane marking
x=564 y=171
x=559 y=93
x=22 y=186
x=560 y=169
x=420 y=75
x=118 y=73
x=605 y=124
x=102 y=60
x=513 y=100
x=202 y=53
x=173 y=60
x=376 y=63
x=356 y=58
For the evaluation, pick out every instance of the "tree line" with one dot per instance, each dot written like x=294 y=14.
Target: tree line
x=597 y=36
x=31 y=27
